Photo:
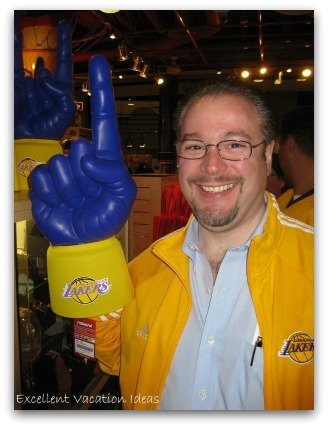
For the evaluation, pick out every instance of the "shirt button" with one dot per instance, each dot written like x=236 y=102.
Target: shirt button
x=191 y=246
x=203 y=394
x=211 y=340
x=208 y=291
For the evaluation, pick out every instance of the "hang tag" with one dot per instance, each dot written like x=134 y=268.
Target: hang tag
x=84 y=330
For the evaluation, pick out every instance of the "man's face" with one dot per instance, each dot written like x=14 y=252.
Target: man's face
x=223 y=193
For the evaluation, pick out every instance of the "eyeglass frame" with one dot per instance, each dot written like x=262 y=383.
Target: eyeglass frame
x=251 y=146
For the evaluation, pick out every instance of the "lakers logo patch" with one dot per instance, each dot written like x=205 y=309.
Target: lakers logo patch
x=85 y=290
x=26 y=166
x=299 y=347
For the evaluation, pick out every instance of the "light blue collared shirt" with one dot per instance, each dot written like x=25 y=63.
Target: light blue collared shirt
x=211 y=368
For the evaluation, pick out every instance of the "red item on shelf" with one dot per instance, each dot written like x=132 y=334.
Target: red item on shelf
x=175 y=212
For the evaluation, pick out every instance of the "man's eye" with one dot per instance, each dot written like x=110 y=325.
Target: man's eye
x=236 y=145
x=193 y=147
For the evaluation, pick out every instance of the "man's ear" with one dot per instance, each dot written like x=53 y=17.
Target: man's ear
x=268 y=156
x=290 y=145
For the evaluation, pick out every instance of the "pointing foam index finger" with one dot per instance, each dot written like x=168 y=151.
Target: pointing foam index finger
x=64 y=59
x=105 y=132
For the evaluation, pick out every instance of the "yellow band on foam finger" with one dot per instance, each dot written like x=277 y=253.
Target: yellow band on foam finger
x=88 y=280
x=28 y=154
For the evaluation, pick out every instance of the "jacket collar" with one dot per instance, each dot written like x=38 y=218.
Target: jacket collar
x=169 y=248
x=262 y=248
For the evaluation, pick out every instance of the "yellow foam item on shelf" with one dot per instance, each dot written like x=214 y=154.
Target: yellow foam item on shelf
x=88 y=280
x=28 y=154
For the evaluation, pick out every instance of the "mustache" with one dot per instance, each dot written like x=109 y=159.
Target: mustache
x=220 y=180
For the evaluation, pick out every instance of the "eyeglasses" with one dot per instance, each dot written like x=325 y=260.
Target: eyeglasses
x=234 y=150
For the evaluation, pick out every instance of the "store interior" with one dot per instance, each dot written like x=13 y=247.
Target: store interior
x=155 y=57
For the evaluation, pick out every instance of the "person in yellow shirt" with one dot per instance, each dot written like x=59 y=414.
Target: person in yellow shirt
x=296 y=156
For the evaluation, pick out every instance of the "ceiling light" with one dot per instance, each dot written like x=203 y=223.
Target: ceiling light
x=159 y=80
x=120 y=76
x=258 y=80
x=110 y=11
x=289 y=70
x=123 y=54
x=112 y=36
x=278 y=81
x=219 y=72
x=145 y=70
x=85 y=87
x=306 y=72
x=245 y=74
x=137 y=60
x=263 y=70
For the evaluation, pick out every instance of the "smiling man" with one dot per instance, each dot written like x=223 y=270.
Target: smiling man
x=221 y=297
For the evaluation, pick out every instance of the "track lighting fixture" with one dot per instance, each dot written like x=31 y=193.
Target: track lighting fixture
x=137 y=60
x=123 y=52
x=145 y=70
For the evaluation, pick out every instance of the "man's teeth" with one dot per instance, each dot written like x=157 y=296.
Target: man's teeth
x=217 y=188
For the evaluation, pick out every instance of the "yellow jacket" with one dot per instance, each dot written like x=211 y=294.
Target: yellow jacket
x=302 y=210
x=280 y=276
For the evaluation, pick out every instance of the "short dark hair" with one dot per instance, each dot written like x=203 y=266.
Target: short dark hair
x=276 y=165
x=299 y=124
x=221 y=87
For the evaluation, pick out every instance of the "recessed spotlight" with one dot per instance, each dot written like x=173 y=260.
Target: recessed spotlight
x=306 y=72
x=245 y=74
x=159 y=80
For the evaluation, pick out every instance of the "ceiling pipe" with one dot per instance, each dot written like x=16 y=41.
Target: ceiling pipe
x=94 y=36
x=181 y=21
x=177 y=41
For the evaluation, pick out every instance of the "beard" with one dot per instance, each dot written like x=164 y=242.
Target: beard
x=214 y=217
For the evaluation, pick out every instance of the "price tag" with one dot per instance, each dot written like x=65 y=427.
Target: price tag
x=84 y=331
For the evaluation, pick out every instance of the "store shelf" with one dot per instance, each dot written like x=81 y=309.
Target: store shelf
x=22 y=206
x=146 y=206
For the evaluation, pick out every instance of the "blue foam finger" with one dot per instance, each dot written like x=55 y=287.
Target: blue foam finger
x=94 y=186
x=64 y=181
x=43 y=186
x=106 y=137
x=49 y=105
x=79 y=148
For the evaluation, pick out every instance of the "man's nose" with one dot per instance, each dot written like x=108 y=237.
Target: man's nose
x=212 y=162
